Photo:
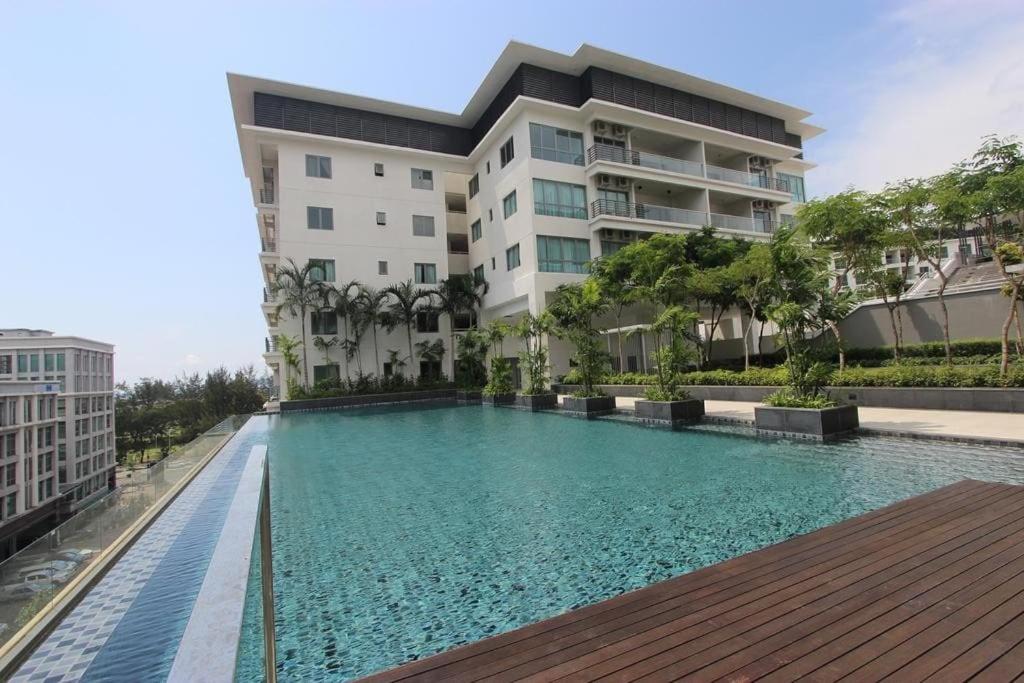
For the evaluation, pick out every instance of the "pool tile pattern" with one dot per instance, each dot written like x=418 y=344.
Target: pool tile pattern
x=427 y=528
x=127 y=627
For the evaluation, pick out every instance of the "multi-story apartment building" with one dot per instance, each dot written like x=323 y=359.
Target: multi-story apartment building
x=557 y=159
x=57 y=446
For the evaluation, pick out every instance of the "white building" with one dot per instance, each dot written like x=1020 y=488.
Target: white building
x=557 y=159
x=57 y=446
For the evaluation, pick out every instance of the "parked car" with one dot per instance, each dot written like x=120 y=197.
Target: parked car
x=77 y=555
x=51 y=567
x=35 y=579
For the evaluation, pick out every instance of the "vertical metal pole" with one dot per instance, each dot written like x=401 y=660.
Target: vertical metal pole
x=267 y=576
x=643 y=350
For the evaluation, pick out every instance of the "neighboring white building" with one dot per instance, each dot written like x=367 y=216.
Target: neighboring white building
x=556 y=160
x=57 y=445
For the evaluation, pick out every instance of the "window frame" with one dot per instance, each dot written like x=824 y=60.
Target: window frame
x=318 y=212
x=422 y=227
x=476 y=230
x=539 y=150
x=474 y=185
x=505 y=204
x=419 y=273
x=318 y=166
x=421 y=182
x=317 y=320
x=378 y=169
x=325 y=264
x=512 y=254
x=382 y=217
x=507 y=152
x=557 y=209
x=546 y=263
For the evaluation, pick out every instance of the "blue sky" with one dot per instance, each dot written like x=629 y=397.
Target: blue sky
x=126 y=217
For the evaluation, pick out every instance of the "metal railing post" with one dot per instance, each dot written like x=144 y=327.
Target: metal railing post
x=267 y=576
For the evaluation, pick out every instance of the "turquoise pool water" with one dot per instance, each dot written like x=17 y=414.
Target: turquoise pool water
x=399 y=533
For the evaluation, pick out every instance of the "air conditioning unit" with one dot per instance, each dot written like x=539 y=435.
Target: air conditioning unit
x=619 y=131
x=622 y=182
x=604 y=179
x=600 y=128
x=763 y=205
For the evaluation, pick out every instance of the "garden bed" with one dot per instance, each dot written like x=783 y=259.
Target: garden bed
x=670 y=413
x=815 y=423
x=591 y=407
x=359 y=400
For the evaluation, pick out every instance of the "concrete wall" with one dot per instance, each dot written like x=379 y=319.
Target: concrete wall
x=971 y=315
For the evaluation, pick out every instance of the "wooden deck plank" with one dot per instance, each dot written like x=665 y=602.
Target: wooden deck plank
x=872 y=595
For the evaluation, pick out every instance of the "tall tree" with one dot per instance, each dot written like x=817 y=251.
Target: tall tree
x=342 y=301
x=406 y=302
x=574 y=308
x=753 y=274
x=371 y=305
x=612 y=275
x=851 y=226
x=298 y=290
x=454 y=296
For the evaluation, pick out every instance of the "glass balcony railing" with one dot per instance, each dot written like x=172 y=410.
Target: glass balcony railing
x=668 y=214
x=32 y=580
x=621 y=155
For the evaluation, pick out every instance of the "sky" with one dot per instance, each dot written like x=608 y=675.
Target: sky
x=126 y=217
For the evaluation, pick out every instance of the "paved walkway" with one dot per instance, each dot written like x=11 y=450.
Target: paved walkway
x=940 y=423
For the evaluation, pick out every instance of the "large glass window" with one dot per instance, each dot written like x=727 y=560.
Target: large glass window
x=476 y=230
x=425 y=273
x=478 y=274
x=796 y=186
x=556 y=144
x=317 y=166
x=562 y=255
x=508 y=204
x=512 y=257
x=427 y=321
x=423 y=226
x=319 y=218
x=422 y=179
x=551 y=198
x=322 y=270
x=323 y=322
x=474 y=185
x=323 y=373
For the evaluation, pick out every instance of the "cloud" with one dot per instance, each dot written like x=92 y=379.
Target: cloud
x=192 y=359
x=961 y=78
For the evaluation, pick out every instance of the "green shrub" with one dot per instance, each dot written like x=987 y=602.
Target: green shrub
x=753 y=377
x=369 y=384
x=963 y=347
x=655 y=393
x=785 y=398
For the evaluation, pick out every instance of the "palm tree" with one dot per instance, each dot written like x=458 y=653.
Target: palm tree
x=341 y=301
x=371 y=310
x=403 y=310
x=455 y=295
x=298 y=290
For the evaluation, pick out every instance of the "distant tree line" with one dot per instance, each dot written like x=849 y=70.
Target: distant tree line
x=155 y=413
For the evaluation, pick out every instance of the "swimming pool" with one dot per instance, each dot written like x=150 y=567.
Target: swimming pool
x=402 y=532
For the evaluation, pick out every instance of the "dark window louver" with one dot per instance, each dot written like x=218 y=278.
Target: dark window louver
x=275 y=111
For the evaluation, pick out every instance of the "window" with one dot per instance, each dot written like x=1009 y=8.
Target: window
x=611 y=142
x=318 y=167
x=562 y=255
x=60 y=362
x=488 y=168
x=382 y=218
x=944 y=252
x=325 y=372
x=507 y=152
x=423 y=226
x=5 y=362
x=493 y=265
x=490 y=215
x=22 y=363
x=382 y=267
x=422 y=179
x=427 y=322
x=323 y=322
x=552 y=198
x=322 y=270
x=11 y=474
x=475 y=232
x=48 y=362
x=474 y=185
x=556 y=144
x=319 y=218
x=796 y=186
x=425 y=273
x=512 y=257
x=478 y=274
x=508 y=204
x=34 y=362
x=378 y=170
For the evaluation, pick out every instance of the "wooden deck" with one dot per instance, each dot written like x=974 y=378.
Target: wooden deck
x=930 y=586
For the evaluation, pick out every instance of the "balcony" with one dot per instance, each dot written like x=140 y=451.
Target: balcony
x=668 y=214
x=632 y=157
x=270 y=344
x=268 y=246
x=267 y=194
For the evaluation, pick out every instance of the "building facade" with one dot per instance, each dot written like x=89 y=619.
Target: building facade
x=57 y=445
x=556 y=160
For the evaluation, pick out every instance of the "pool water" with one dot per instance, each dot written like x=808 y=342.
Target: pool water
x=399 y=533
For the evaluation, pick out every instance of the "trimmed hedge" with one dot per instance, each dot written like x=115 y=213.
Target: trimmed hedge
x=900 y=376
x=961 y=348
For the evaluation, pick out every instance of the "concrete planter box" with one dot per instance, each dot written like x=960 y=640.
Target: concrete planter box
x=537 y=402
x=670 y=413
x=594 y=406
x=813 y=423
x=468 y=395
x=498 y=399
